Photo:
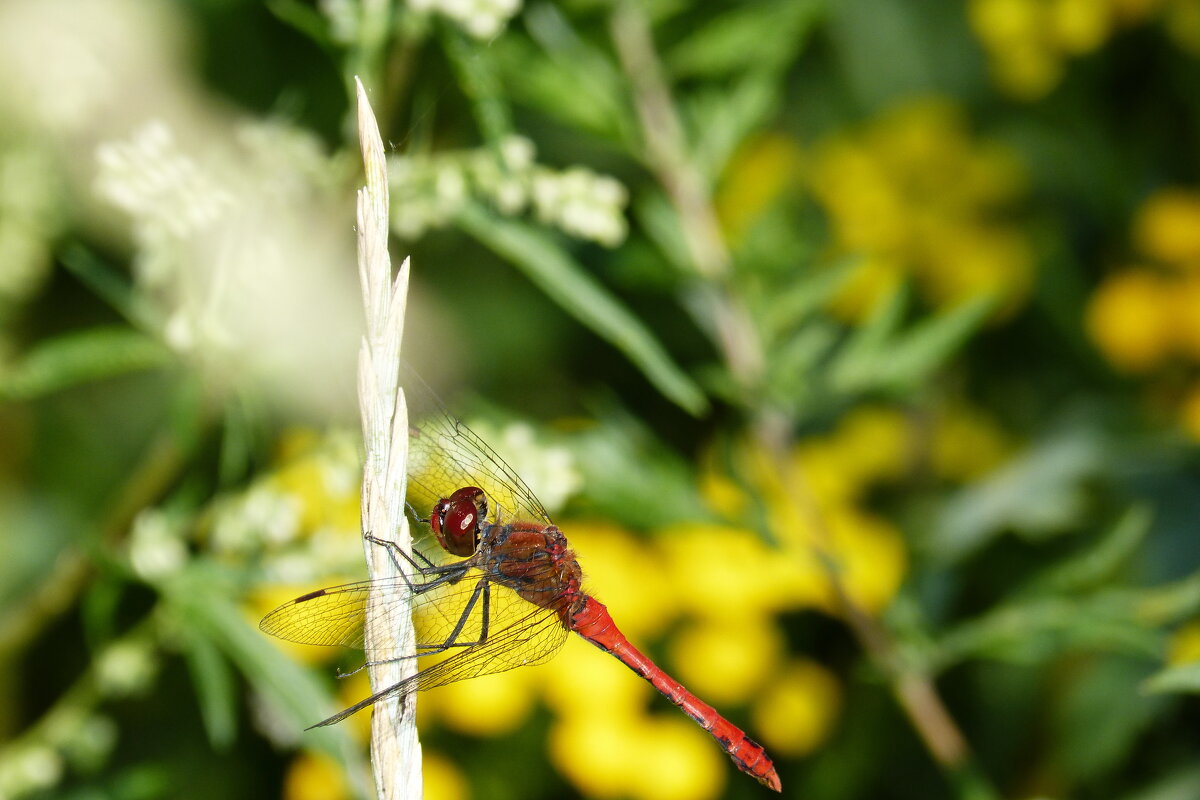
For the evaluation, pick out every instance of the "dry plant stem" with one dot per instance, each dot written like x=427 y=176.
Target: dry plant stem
x=395 y=751
x=667 y=155
x=914 y=691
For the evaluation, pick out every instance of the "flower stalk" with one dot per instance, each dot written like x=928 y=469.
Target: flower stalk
x=395 y=750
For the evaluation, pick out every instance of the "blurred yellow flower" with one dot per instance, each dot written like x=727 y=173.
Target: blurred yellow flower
x=755 y=178
x=597 y=753
x=916 y=196
x=719 y=571
x=351 y=689
x=490 y=705
x=725 y=661
x=676 y=760
x=796 y=710
x=1167 y=227
x=1183 y=24
x=314 y=776
x=443 y=778
x=874 y=443
x=584 y=681
x=869 y=555
x=1189 y=413
x=966 y=443
x=1184 y=645
x=1079 y=26
x=621 y=571
x=1126 y=321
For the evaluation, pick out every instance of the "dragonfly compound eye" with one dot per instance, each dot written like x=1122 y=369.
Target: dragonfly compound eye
x=458 y=520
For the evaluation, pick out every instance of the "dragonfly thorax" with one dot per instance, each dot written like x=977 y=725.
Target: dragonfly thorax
x=458 y=521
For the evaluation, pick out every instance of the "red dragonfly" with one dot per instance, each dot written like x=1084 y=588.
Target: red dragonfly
x=505 y=590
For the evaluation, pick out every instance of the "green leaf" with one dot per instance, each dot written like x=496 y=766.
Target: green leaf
x=566 y=282
x=793 y=303
x=477 y=78
x=1037 y=493
x=1183 y=678
x=753 y=35
x=856 y=367
x=199 y=600
x=112 y=286
x=928 y=344
x=1179 y=784
x=1036 y=630
x=81 y=357
x=720 y=118
x=1097 y=563
x=215 y=686
x=563 y=75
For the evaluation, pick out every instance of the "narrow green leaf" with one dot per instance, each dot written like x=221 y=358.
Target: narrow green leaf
x=752 y=35
x=81 y=357
x=566 y=282
x=858 y=364
x=1097 y=563
x=112 y=286
x=215 y=687
x=794 y=303
x=200 y=599
x=477 y=78
x=928 y=344
x=721 y=118
x=1182 y=678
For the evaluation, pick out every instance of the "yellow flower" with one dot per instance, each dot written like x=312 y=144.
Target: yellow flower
x=313 y=776
x=676 y=760
x=1079 y=26
x=719 y=571
x=756 y=177
x=966 y=444
x=1184 y=314
x=1184 y=646
x=585 y=681
x=622 y=572
x=597 y=753
x=796 y=710
x=1183 y=25
x=1167 y=227
x=913 y=194
x=443 y=778
x=725 y=661
x=490 y=705
x=870 y=557
x=874 y=443
x=1190 y=412
x=1126 y=321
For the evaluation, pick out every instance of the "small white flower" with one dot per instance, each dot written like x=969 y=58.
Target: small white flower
x=125 y=668
x=156 y=546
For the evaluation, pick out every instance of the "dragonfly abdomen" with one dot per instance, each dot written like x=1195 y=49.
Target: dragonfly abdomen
x=592 y=622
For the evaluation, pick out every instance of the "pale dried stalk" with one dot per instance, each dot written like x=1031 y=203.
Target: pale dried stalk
x=395 y=751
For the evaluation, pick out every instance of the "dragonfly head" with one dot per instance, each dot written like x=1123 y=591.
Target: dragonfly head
x=458 y=520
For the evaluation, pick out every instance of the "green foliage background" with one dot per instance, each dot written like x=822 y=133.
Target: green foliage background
x=905 y=292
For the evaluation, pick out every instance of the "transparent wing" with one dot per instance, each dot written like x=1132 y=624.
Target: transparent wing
x=469 y=613
x=445 y=455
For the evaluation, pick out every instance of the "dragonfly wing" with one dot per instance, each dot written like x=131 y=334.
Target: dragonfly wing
x=445 y=455
x=521 y=633
x=452 y=614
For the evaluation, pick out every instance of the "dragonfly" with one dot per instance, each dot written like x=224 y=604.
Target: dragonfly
x=497 y=587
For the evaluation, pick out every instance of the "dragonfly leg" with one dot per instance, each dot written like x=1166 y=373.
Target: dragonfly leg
x=484 y=589
x=393 y=549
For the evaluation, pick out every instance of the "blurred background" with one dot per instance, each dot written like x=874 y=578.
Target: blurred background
x=853 y=344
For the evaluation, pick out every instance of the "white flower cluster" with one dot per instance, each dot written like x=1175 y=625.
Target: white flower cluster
x=548 y=470
x=161 y=188
x=429 y=190
x=483 y=19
